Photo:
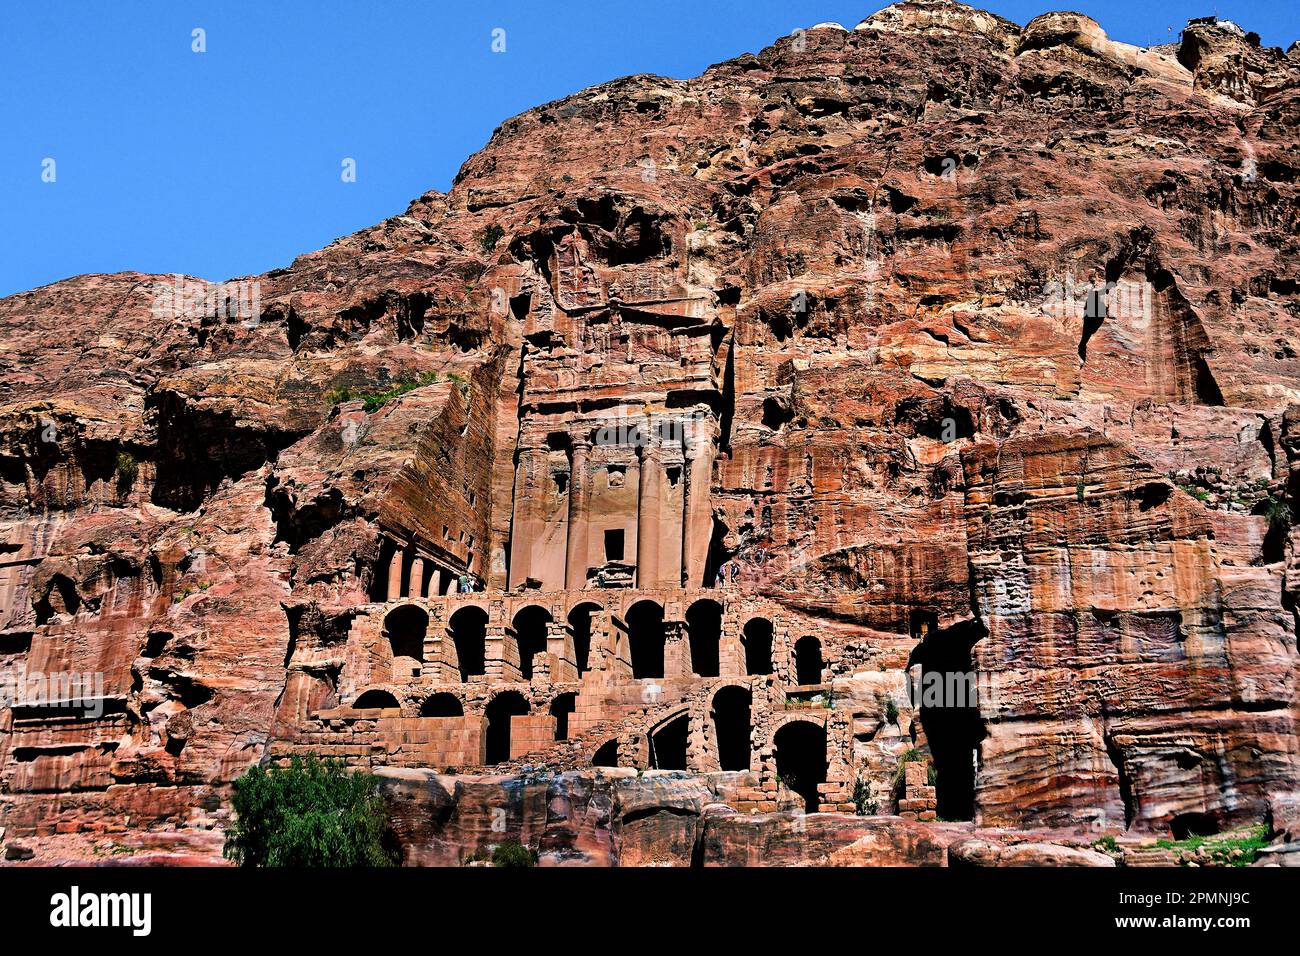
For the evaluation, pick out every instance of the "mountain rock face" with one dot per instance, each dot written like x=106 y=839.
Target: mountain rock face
x=939 y=354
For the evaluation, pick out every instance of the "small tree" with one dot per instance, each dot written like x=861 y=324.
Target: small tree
x=514 y=854
x=311 y=813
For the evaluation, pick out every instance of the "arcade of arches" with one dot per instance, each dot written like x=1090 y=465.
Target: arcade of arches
x=700 y=680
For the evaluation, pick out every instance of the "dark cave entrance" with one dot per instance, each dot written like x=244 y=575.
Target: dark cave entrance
x=801 y=760
x=442 y=705
x=757 y=638
x=732 y=727
x=606 y=755
x=704 y=631
x=406 y=627
x=668 y=745
x=468 y=628
x=808 y=661
x=503 y=708
x=530 y=636
x=645 y=639
x=950 y=715
x=580 y=627
x=561 y=708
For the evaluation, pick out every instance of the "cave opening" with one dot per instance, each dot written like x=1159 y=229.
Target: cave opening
x=949 y=715
x=606 y=754
x=530 y=627
x=808 y=661
x=500 y=713
x=645 y=638
x=406 y=627
x=468 y=628
x=704 y=633
x=757 y=638
x=800 y=755
x=561 y=708
x=668 y=745
x=375 y=700
x=732 y=727
x=580 y=627
x=442 y=705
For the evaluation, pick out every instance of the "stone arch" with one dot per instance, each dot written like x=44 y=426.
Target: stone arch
x=757 y=638
x=606 y=755
x=530 y=627
x=668 y=741
x=500 y=712
x=580 y=627
x=442 y=704
x=645 y=638
x=808 y=662
x=704 y=634
x=376 y=698
x=561 y=708
x=468 y=628
x=799 y=752
x=405 y=627
x=732 y=719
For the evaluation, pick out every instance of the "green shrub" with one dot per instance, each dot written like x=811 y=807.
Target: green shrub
x=863 y=804
x=375 y=400
x=490 y=236
x=311 y=813
x=891 y=712
x=513 y=853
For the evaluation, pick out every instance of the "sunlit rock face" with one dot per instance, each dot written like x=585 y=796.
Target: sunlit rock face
x=750 y=406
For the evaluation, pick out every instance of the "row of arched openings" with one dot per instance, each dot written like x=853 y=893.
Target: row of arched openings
x=407 y=627
x=499 y=712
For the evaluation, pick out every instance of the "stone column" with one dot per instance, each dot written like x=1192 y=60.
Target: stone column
x=649 y=514
x=697 y=518
x=526 y=527
x=575 y=573
x=416 y=587
x=395 y=572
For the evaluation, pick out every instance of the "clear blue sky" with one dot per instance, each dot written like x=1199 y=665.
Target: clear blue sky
x=227 y=163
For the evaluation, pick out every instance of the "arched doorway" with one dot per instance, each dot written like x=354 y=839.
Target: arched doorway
x=468 y=628
x=668 y=744
x=530 y=636
x=757 y=638
x=704 y=632
x=800 y=752
x=442 y=705
x=949 y=714
x=808 y=661
x=732 y=727
x=375 y=700
x=580 y=627
x=606 y=755
x=561 y=708
x=645 y=638
x=405 y=628
x=501 y=710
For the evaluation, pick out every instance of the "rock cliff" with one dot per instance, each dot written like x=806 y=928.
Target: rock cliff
x=961 y=350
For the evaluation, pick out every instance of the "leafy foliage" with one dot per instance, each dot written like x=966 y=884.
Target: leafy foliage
x=513 y=853
x=310 y=813
x=375 y=400
x=490 y=236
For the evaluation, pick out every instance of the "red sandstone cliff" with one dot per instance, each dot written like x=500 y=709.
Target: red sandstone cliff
x=848 y=271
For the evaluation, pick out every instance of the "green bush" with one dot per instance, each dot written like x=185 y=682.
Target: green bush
x=375 y=400
x=311 y=813
x=490 y=236
x=863 y=804
x=513 y=853
x=891 y=712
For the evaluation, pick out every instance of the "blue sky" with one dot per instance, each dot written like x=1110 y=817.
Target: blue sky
x=228 y=162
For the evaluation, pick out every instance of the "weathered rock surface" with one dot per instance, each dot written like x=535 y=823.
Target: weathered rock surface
x=853 y=272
